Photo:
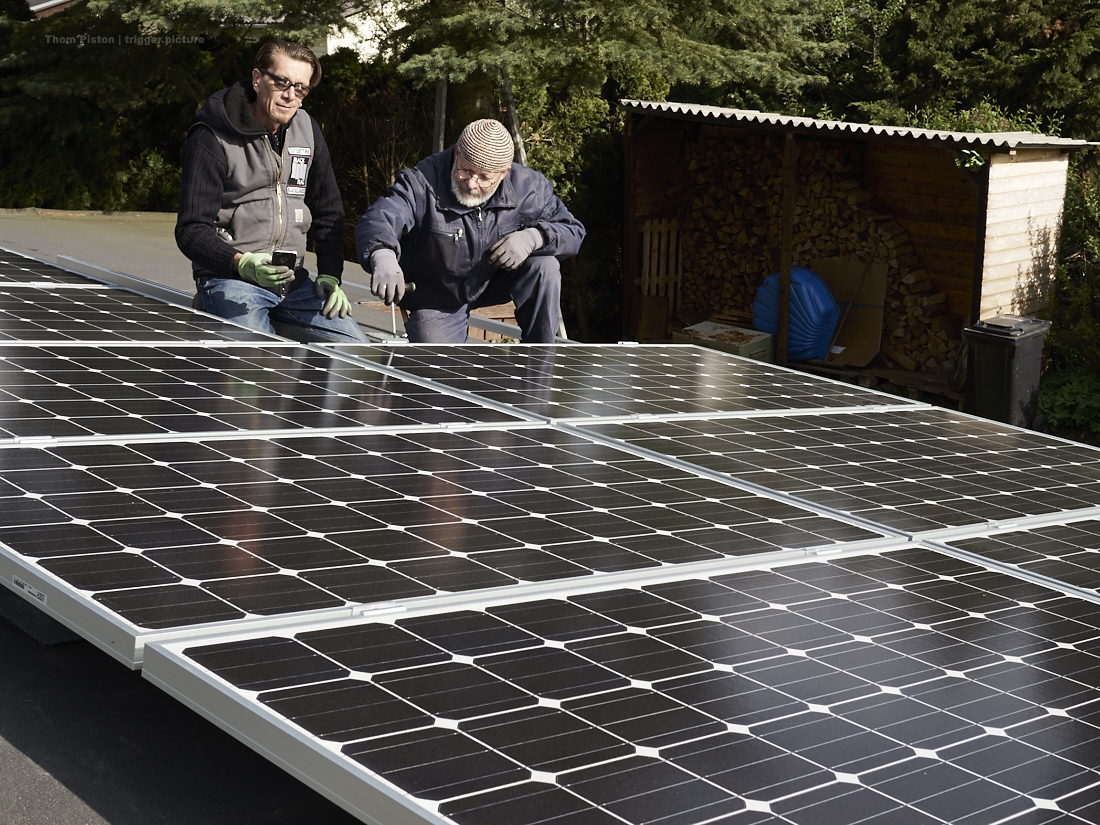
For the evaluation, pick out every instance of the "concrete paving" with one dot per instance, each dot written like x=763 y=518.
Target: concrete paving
x=137 y=243
x=84 y=740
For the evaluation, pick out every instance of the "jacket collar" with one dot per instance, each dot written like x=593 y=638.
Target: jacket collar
x=230 y=112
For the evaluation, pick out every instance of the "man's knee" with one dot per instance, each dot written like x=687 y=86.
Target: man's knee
x=430 y=326
x=539 y=275
x=543 y=266
x=537 y=295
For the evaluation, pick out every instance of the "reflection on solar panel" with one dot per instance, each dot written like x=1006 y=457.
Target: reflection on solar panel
x=579 y=382
x=81 y=390
x=90 y=313
x=902 y=687
x=573 y=585
x=916 y=471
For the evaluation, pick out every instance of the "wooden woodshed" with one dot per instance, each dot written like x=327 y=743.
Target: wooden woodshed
x=965 y=224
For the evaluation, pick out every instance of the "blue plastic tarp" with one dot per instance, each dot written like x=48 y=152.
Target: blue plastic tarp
x=813 y=313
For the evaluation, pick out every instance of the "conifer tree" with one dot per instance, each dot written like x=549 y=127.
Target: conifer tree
x=711 y=43
x=1037 y=56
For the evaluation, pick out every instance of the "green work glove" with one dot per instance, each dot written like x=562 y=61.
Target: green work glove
x=256 y=267
x=336 y=302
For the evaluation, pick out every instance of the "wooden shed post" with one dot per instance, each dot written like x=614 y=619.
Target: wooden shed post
x=1024 y=195
x=630 y=223
x=790 y=154
x=980 y=228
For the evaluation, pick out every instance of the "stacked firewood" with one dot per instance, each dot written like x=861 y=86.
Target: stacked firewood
x=917 y=332
x=730 y=196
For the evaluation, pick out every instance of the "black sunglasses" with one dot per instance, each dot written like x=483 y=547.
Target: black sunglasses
x=282 y=84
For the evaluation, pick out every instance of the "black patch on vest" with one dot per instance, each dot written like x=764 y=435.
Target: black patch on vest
x=299 y=169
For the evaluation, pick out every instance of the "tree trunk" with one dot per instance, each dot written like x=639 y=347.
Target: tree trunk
x=473 y=99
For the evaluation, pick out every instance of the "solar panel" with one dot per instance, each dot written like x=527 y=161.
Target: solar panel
x=580 y=382
x=928 y=472
x=174 y=534
x=60 y=391
x=86 y=312
x=19 y=269
x=1067 y=552
x=904 y=686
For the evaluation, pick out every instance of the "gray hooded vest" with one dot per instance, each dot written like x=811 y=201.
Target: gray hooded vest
x=263 y=202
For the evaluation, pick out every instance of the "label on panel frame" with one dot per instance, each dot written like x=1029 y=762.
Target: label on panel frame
x=29 y=590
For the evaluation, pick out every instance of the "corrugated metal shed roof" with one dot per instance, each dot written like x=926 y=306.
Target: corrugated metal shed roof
x=997 y=141
x=39 y=7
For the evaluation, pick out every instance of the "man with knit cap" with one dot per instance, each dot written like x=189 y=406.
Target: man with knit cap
x=470 y=229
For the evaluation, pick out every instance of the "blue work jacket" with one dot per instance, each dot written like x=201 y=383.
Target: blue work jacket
x=443 y=246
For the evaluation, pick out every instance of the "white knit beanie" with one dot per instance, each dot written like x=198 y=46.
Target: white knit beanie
x=487 y=145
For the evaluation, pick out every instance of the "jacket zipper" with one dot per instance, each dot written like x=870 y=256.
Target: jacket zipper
x=480 y=236
x=283 y=289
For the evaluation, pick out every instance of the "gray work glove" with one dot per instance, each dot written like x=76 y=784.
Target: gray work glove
x=387 y=281
x=256 y=267
x=512 y=250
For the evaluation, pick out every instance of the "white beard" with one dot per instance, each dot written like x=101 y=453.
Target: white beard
x=465 y=198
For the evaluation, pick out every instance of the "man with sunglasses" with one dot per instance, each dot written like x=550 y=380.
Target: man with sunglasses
x=470 y=230
x=257 y=177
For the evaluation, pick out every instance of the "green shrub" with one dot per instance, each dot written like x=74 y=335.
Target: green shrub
x=1070 y=400
x=1069 y=392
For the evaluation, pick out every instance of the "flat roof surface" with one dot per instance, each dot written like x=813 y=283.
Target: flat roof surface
x=84 y=741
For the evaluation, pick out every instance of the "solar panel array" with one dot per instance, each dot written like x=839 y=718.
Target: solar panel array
x=907 y=687
x=574 y=584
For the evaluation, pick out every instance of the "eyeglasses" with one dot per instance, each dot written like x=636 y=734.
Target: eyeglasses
x=281 y=84
x=482 y=178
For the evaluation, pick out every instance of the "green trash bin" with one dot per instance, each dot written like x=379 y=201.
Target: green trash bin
x=1002 y=368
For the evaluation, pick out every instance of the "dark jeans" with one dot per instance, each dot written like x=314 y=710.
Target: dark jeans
x=296 y=316
x=535 y=287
